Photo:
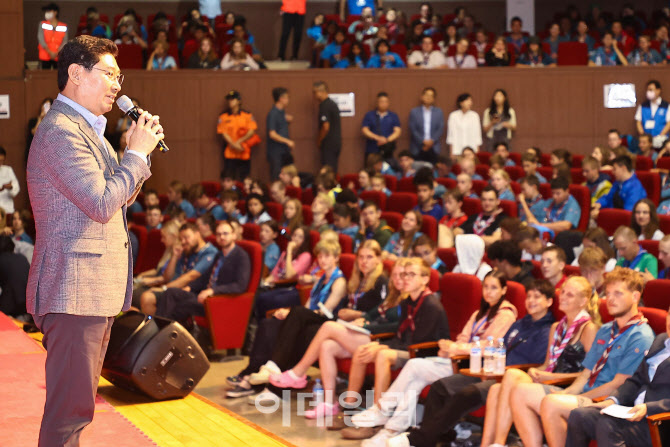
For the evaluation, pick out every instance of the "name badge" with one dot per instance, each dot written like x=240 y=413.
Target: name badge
x=649 y=124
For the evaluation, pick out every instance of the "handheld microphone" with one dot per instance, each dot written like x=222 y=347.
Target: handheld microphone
x=129 y=109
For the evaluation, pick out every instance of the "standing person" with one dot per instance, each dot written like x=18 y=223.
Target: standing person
x=279 y=144
x=293 y=18
x=237 y=127
x=381 y=128
x=653 y=115
x=426 y=126
x=70 y=168
x=51 y=37
x=463 y=126
x=499 y=120
x=9 y=184
x=330 y=131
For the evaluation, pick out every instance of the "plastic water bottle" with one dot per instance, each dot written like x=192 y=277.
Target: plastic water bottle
x=476 y=356
x=317 y=392
x=489 y=353
x=501 y=357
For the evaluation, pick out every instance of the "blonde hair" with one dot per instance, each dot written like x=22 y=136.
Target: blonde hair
x=395 y=296
x=326 y=199
x=296 y=221
x=172 y=228
x=290 y=170
x=327 y=247
x=356 y=276
x=592 y=301
x=592 y=258
x=501 y=173
x=329 y=236
x=421 y=263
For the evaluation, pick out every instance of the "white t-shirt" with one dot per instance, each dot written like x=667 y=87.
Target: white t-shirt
x=463 y=129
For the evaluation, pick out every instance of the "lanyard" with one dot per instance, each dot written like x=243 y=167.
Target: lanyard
x=481 y=325
x=632 y=264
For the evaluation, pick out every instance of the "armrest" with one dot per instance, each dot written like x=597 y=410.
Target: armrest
x=456 y=362
x=271 y=312
x=658 y=418
x=599 y=399
x=286 y=282
x=382 y=336
x=524 y=366
x=304 y=291
x=566 y=381
x=419 y=346
x=654 y=421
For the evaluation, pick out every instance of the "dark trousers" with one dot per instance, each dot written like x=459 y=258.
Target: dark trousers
x=48 y=65
x=177 y=304
x=586 y=424
x=264 y=343
x=76 y=347
x=277 y=159
x=430 y=156
x=275 y=299
x=236 y=168
x=295 y=22
x=330 y=157
x=448 y=400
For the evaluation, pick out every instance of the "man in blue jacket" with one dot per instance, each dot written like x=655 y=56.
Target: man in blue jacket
x=625 y=191
x=426 y=127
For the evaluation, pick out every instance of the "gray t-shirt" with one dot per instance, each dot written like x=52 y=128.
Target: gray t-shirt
x=276 y=120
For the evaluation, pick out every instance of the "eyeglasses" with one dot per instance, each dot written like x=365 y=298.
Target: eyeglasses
x=111 y=76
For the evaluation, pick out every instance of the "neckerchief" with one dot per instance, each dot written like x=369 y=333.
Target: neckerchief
x=411 y=314
x=552 y=213
x=215 y=271
x=635 y=321
x=355 y=296
x=563 y=335
x=481 y=225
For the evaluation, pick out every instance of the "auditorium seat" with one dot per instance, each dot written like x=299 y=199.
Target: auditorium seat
x=406 y=185
x=138 y=219
x=471 y=206
x=227 y=316
x=251 y=232
x=461 y=295
x=664 y=222
x=583 y=197
x=307 y=217
x=190 y=47
x=577 y=175
x=391 y=182
x=275 y=210
x=663 y=163
x=448 y=183
x=643 y=163
x=140 y=265
x=375 y=196
x=657 y=294
x=545 y=171
x=393 y=219
x=212 y=189
x=545 y=190
x=294 y=192
x=609 y=219
x=545 y=161
x=429 y=227
x=346 y=243
x=514 y=156
x=656 y=318
x=484 y=157
x=509 y=207
x=307 y=196
x=516 y=294
x=448 y=256
x=572 y=53
x=577 y=160
x=478 y=186
x=572 y=270
x=651 y=247
x=347 y=261
x=401 y=202
x=652 y=184
x=515 y=187
x=346 y=179
x=483 y=170
x=130 y=57
x=515 y=172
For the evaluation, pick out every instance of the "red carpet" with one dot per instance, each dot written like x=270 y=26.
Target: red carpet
x=22 y=394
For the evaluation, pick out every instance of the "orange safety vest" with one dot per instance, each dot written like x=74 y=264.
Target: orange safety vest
x=293 y=6
x=237 y=126
x=53 y=37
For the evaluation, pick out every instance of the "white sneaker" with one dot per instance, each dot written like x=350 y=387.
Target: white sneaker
x=263 y=375
x=398 y=441
x=379 y=440
x=372 y=417
x=265 y=398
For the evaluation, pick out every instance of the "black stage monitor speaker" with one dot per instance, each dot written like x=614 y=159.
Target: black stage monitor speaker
x=153 y=355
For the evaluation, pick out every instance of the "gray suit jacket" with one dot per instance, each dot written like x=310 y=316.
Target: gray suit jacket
x=82 y=262
x=416 y=129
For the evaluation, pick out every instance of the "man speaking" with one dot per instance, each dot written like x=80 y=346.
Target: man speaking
x=81 y=274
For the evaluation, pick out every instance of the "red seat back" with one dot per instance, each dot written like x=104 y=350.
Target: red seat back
x=275 y=210
x=664 y=222
x=448 y=256
x=471 y=206
x=573 y=53
x=483 y=170
x=448 y=183
x=393 y=219
x=609 y=219
x=461 y=295
x=657 y=294
x=509 y=208
x=375 y=196
x=130 y=57
x=347 y=262
x=516 y=294
x=140 y=265
x=656 y=318
x=478 y=186
x=643 y=163
x=401 y=202
x=650 y=246
x=138 y=219
x=545 y=171
x=406 y=184
x=583 y=197
x=347 y=179
x=251 y=232
x=577 y=175
x=307 y=196
x=346 y=243
x=294 y=192
x=212 y=189
x=515 y=172
x=391 y=182
x=663 y=163
x=652 y=184
x=429 y=227
x=307 y=216
x=577 y=160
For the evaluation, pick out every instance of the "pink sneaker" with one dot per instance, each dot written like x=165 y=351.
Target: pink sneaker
x=322 y=410
x=287 y=380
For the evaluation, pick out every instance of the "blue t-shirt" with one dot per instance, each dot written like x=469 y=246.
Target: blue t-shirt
x=200 y=261
x=476 y=176
x=570 y=211
x=330 y=51
x=346 y=63
x=507 y=194
x=393 y=245
x=437 y=212
x=540 y=178
x=25 y=238
x=536 y=61
x=164 y=64
x=187 y=208
x=395 y=62
x=626 y=354
x=537 y=208
x=350 y=231
x=652 y=57
x=355 y=7
x=216 y=211
x=271 y=255
x=605 y=58
x=379 y=125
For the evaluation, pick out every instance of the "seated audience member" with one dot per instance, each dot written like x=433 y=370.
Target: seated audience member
x=205 y=204
x=292 y=263
x=289 y=176
x=552 y=265
x=562 y=212
x=321 y=204
x=19 y=221
x=255 y=210
x=451 y=398
x=343 y=221
x=592 y=263
x=646 y=145
x=502 y=149
x=377 y=165
x=554 y=39
x=470 y=251
x=229 y=275
x=496 y=163
x=427 y=57
x=604 y=369
x=486 y=223
x=372 y=225
x=349 y=198
x=160 y=59
x=644 y=54
x=501 y=182
x=509 y=227
x=364 y=183
x=278 y=192
x=498 y=56
x=400 y=242
x=569 y=342
x=631 y=255
x=443 y=168
x=331 y=54
x=406 y=163
x=425 y=248
x=282 y=339
x=176 y=193
x=626 y=190
x=530 y=200
x=468 y=167
x=206 y=225
x=154 y=218
x=530 y=241
x=292 y=217
x=393 y=408
x=242 y=34
x=378 y=183
x=464 y=185
x=14 y=270
x=535 y=56
x=384 y=58
x=335 y=341
x=582 y=35
x=506 y=257
x=425 y=192
x=598 y=183
x=237 y=58
x=229 y=205
x=608 y=54
x=664 y=257
x=205 y=57
x=356 y=57
x=453 y=217
x=647 y=391
x=151 y=198
x=644 y=221
x=191 y=261
x=462 y=59
x=560 y=156
x=267 y=238
x=664 y=206
x=381 y=128
x=596 y=237
x=529 y=163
